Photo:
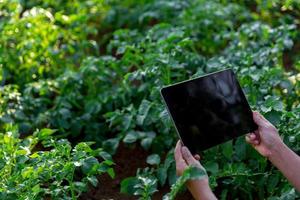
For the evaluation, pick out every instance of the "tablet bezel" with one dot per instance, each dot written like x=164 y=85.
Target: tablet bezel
x=196 y=78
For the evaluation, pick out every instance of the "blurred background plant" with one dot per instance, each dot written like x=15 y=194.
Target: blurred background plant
x=92 y=70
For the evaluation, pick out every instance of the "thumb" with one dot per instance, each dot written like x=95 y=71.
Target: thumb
x=259 y=119
x=187 y=156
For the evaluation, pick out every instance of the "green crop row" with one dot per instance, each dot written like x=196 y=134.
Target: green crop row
x=92 y=70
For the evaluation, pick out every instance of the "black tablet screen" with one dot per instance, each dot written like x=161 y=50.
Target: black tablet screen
x=209 y=110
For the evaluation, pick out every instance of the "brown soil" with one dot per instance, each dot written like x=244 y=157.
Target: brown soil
x=288 y=56
x=127 y=161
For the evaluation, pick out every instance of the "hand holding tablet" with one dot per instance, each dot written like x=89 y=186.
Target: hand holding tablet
x=209 y=110
x=212 y=109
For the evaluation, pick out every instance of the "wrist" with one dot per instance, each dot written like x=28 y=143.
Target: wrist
x=277 y=151
x=199 y=183
x=198 y=186
x=200 y=189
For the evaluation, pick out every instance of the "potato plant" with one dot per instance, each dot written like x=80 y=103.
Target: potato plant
x=60 y=172
x=92 y=71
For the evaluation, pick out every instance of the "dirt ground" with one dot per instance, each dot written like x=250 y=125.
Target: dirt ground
x=127 y=162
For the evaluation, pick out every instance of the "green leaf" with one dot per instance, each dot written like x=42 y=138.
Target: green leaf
x=240 y=148
x=108 y=162
x=80 y=186
x=34 y=155
x=111 y=145
x=130 y=137
x=265 y=109
x=227 y=149
x=212 y=167
x=172 y=174
x=272 y=102
x=93 y=180
x=105 y=155
x=273 y=116
x=127 y=121
x=27 y=172
x=45 y=133
x=127 y=185
x=111 y=172
x=22 y=152
x=153 y=159
x=36 y=189
x=88 y=164
x=143 y=111
x=272 y=182
x=162 y=175
x=146 y=143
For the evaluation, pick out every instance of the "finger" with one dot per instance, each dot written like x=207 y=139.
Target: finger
x=180 y=162
x=259 y=119
x=248 y=140
x=187 y=156
x=177 y=153
x=256 y=118
x=252 y=136
x=197 y=157
x=180 y=167
x=251 y=141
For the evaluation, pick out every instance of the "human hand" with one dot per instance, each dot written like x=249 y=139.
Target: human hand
x=266 y=138
x=199 y=187
x=184 y=158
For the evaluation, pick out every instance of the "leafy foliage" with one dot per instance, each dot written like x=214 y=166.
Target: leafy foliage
x=62 y=172
x=92 y=70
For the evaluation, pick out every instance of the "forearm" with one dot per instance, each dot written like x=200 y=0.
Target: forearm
x=200 y=190
x=288 y=162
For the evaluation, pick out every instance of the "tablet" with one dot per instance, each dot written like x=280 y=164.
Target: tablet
x=208 y=110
